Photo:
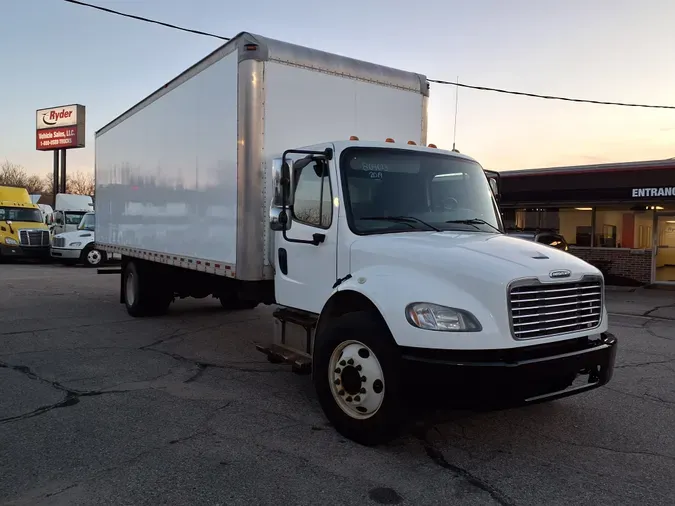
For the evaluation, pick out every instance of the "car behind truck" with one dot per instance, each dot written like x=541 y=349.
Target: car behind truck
x=278 y=174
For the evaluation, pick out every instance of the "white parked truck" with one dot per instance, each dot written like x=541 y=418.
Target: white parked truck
x=69 y=210
x=79 y=246
x=244 y=178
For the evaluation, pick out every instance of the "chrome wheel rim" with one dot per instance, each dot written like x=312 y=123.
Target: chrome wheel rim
x=94 y=257
x=356 y=379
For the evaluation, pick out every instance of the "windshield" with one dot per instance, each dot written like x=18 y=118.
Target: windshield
x=20 y=214
x=392 y=190
x=88 y=222
x=73 y=218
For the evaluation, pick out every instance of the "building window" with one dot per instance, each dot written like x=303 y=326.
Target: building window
x=574 y=224
x=623 y=227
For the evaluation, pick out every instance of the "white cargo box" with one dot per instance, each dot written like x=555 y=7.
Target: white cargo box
x=183 y=177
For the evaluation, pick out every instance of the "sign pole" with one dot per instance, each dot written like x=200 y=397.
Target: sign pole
x=55 y=178
x=64 y=179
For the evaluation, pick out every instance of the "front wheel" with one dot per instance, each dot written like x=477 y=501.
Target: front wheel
x=92 y=257
x=356 y=374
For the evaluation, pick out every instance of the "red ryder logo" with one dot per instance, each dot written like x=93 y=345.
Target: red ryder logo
x=52 y=117
x=62 y=116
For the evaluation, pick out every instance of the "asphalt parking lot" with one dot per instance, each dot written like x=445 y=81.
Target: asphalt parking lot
x=100 y=408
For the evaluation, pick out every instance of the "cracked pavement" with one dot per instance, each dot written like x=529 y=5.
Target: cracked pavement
x=100 y=408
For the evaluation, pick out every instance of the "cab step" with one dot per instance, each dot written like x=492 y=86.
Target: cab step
x=293 y=339
x=301 y=363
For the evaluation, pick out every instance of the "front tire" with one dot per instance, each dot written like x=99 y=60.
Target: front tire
x=356 y=374
x=92 y=257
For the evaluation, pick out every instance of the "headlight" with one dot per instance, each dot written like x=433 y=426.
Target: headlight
x=9 y=240
x=75 y=244
x=427 y=316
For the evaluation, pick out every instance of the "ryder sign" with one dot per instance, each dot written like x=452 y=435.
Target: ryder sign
x=60 y=127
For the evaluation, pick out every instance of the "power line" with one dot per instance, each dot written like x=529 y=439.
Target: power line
x=147 y=20
x=550 y=97
x=437 y=81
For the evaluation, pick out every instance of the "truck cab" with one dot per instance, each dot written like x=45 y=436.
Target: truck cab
x=23 y=233
x=69 y=210
x=79 y=246
x=394 y=261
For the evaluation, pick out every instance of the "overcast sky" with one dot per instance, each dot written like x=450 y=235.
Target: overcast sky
x=54 y=53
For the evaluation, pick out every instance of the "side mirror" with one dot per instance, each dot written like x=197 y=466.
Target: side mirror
x=281 y=186
x=320 y=168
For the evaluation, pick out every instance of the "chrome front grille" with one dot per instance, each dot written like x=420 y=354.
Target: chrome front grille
x=59 y=242
x=34 y=237
x=546 y=310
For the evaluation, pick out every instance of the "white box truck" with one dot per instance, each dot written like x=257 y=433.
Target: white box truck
x=244 y=178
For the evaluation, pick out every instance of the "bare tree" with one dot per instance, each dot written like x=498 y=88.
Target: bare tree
x=34 y=184
x=12 y=174
x=48 y=182
x=80 y=183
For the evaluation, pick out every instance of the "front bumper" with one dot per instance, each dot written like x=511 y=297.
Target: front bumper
x=531 y=374
x=66 y=253
x=8 y=251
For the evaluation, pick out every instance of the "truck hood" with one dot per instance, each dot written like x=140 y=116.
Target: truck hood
x=465 y=257
x=85 y=235
x=21 y=225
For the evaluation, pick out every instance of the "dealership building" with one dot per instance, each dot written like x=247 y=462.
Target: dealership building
x=619 y=216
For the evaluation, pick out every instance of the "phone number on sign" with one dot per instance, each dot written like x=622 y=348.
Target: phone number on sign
x=56 y=142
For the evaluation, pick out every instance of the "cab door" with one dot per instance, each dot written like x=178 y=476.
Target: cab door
x=306 y=252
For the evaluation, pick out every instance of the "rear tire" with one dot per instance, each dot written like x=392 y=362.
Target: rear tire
x=139 y=298
x=356 y=374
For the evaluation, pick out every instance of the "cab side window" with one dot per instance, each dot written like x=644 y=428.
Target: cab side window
x=312 y=200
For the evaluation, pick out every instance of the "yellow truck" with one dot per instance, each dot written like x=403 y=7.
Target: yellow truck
x=23 y=233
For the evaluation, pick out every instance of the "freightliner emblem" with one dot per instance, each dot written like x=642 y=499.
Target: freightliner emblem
x=562 y=273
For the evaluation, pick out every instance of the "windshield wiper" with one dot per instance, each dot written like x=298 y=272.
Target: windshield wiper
x=402 y=219
x=475 y=222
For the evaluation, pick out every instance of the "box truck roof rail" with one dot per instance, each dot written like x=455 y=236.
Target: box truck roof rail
x=256 y=47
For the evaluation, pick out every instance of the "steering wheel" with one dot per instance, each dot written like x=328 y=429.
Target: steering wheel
x=450 y=204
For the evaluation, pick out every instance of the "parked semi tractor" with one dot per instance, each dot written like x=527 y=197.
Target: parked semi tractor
x=278 y=174
x=22 y=231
